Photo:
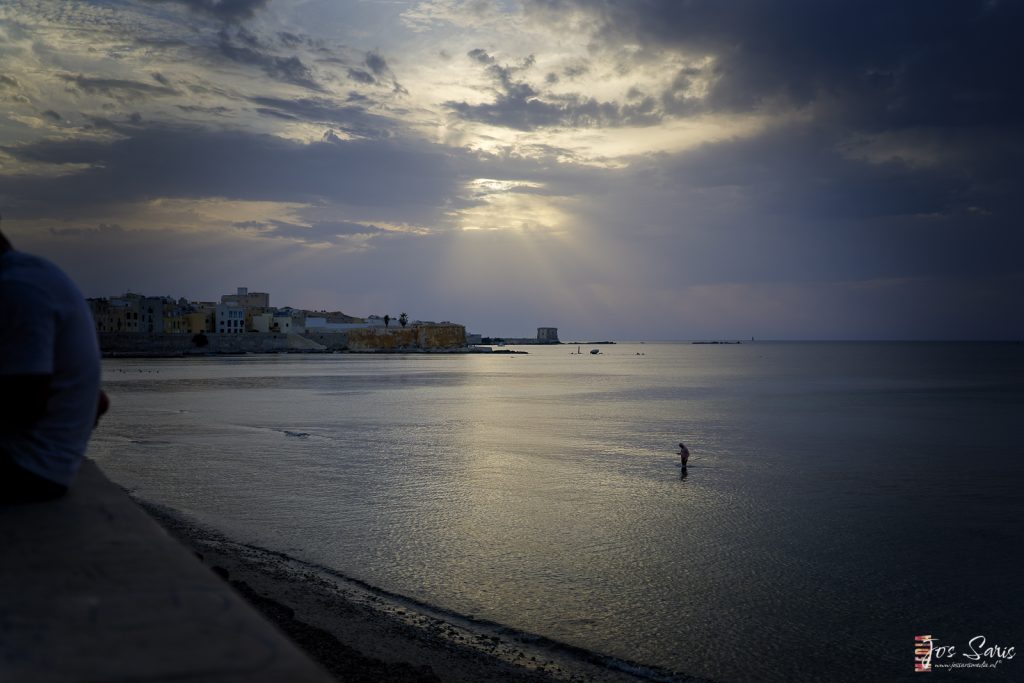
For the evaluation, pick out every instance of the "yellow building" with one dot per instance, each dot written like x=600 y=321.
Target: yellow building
x=198 y=322
x=175 y=324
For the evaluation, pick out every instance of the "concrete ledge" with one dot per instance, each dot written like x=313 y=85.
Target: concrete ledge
x=92 y=589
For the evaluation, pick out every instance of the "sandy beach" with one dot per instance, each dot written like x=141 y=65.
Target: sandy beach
x=359 y=633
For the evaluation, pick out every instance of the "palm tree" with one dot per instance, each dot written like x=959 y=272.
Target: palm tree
x=403 y=319
x=387 y=319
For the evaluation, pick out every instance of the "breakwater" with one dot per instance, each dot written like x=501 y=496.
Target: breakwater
x=126 y=344
x=439 y=337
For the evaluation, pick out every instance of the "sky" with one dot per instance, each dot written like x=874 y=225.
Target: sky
x=619 y=169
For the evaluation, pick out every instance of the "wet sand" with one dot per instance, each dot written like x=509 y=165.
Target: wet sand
x=359 y=633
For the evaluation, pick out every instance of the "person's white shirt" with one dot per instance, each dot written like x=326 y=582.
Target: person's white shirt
x=46 y=328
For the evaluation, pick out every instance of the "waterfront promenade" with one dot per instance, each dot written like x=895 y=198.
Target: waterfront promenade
x=92 y=589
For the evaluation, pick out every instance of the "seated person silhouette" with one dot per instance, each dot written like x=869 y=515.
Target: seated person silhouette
x=50 y=397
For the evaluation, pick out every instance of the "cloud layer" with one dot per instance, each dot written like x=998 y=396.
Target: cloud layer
x=618 y=168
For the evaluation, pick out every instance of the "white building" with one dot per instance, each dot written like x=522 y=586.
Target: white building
x=230 y=318
x=262 y=322
x=243 y=297
x=279 y=323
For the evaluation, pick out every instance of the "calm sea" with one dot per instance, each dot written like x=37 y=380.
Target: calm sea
x=841 y=498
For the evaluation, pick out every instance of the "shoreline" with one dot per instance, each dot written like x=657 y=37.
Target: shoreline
x=361 y=633
x=223 y=354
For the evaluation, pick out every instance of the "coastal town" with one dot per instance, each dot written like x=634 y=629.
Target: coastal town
x=245 y=322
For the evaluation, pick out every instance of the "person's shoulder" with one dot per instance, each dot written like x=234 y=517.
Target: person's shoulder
x=31 y=267
x=32 y=275
x=15 y=260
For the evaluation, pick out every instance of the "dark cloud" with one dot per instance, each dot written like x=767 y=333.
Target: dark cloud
x=129 y=123
x=225 y=10
x=242 y=47
x=786 y=208
x=267 y=111
x=198 y=109
x=52 y=115
x=375 y=63
x=102 y=123
x=106 y=229
x=118 y=89
x=161 y=42
x=576 y=71
x=9 y=82
x=881 y=63
x=519 y=105
x=903 y=165
x=161 y=79
x=676 y=98
x=195 y=163
x=376 y=72
x=349 y=228
x=361 y=76
x=332 y=136
x=290 y=39
x=480 y=56
x=328 y=231
x=354 y=120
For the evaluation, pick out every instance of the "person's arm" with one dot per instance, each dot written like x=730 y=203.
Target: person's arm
x=23 y=400
x=102 y=405
x=27 y=332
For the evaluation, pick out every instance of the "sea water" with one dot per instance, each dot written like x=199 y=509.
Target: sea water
x=841 y=498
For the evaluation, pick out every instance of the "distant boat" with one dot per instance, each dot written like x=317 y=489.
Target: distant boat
x=595 y=351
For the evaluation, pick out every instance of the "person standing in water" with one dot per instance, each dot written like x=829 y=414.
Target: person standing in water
x=684 y=454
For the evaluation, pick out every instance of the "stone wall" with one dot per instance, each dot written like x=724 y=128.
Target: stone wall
x=181 y=344
x=332 y=341
x=413 y=338
x=417 y=337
